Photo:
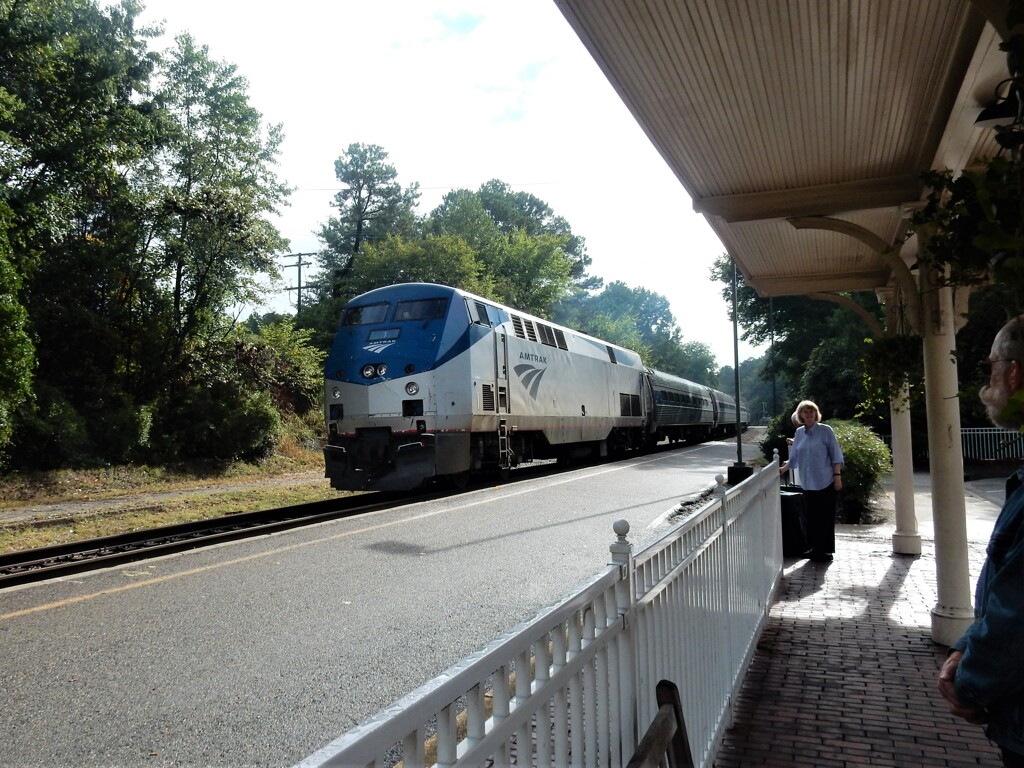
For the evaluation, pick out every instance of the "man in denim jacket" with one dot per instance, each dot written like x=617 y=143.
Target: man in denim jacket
x=982 y=680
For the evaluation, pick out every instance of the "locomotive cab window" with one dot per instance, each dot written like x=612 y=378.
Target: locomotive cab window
x=478 y=313
x=420 y=309
x=365 y=315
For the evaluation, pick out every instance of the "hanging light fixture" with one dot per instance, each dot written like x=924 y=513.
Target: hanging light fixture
x=1004 y=111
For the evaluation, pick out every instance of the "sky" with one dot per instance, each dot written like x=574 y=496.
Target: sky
x=459 y=92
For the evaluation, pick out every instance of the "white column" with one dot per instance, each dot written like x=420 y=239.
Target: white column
x=952 y=613
x=906 y=540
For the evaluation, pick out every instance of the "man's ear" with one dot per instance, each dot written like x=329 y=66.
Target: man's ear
x=1016 y=374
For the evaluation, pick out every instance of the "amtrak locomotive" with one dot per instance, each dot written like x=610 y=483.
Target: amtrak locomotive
x=425 y=381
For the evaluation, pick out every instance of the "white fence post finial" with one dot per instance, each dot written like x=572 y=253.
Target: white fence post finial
x=720 y=486
x=620 y=548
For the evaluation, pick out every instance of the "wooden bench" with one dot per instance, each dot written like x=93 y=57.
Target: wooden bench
x=665 y=740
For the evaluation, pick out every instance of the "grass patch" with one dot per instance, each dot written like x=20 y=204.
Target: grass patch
x=19 y=489
x=143 y=514
x=115 y=500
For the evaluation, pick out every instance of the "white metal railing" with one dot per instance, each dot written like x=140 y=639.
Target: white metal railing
x=576 y=684
x=992 y=443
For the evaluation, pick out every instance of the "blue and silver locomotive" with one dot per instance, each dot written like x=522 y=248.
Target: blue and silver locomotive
x=426 y=381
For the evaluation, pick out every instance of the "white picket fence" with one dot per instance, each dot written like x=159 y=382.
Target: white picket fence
x=575 y=686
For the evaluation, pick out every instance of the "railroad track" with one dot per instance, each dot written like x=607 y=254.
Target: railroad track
x=67 y=559
x=43 y=563
x=32 y=565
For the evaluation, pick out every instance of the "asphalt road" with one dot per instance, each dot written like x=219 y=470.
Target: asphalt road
x=260 y=652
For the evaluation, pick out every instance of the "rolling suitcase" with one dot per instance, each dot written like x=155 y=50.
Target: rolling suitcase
x=794 y=521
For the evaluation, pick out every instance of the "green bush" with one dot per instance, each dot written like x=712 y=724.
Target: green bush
x=218 y=412
x=776 y=432
x=867 y=460
x=215 y=423
x=50 y=434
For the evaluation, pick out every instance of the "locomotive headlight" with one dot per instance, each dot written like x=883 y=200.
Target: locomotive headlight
x=412 y=389
x=369 y=371
x=336 y=394
x=382 y=370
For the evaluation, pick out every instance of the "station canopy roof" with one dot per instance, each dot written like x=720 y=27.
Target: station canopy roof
x=775 y=113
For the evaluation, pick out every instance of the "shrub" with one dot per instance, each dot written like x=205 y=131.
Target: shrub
x=50 y=434
x=776 y=432
x=868 y=460
x=215 y=424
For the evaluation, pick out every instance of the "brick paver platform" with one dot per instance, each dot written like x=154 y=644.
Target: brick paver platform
x=845 y=672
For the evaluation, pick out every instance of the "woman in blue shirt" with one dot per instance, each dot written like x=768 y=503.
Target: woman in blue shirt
x=816 y=453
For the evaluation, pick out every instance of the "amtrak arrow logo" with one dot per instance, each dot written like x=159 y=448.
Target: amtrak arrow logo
x=378 y=347
x=530 y=376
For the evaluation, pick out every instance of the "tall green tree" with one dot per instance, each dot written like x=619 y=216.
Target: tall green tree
x=512 y=211
x=530 y=256
x=529 y=272
x=371 y=205
x=17 y=353
x=462 y=214
x=212 y=236
x=442 y=259
x=74 y=116
x=692 y=360
x=133 y=216
x=501 y=244
x=219 y=187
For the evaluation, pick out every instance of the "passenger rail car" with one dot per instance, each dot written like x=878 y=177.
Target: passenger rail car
x=426 y=381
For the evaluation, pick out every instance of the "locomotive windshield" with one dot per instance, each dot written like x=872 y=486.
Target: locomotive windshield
x=365 y=315
x=421 y=309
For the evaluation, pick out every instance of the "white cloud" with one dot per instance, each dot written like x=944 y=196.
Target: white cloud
x=457 y=93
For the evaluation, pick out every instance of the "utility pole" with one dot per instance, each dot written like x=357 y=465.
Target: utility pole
x=771 y=352
x=299 y=264
x=739 y=471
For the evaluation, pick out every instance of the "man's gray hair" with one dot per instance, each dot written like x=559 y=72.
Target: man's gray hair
x=1010 y=340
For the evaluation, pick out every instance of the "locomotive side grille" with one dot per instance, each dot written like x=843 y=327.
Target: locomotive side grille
x=547 y=336
x=560 y=340
x=488 y=397
x=531 y=333
x=517 y=326
x=629 y=405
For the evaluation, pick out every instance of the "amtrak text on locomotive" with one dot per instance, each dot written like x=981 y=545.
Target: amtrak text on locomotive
x=533 y=358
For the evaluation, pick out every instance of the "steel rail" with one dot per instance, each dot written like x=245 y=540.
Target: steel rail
x=43 y=563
